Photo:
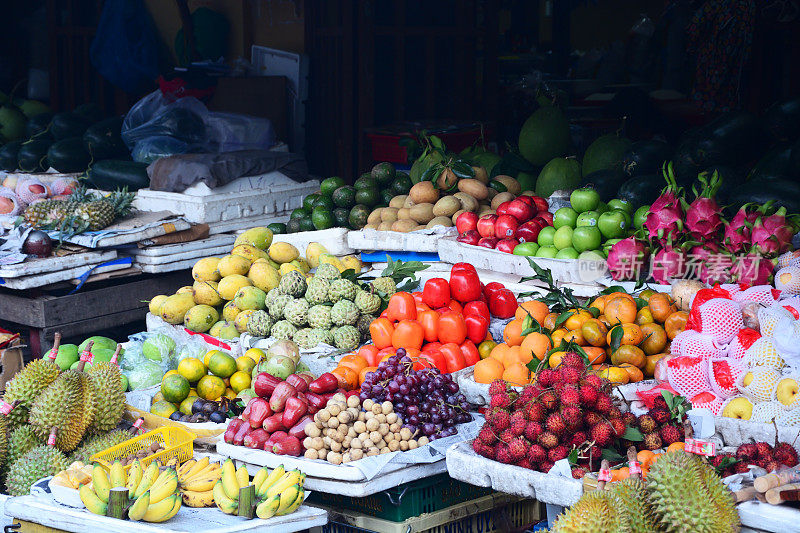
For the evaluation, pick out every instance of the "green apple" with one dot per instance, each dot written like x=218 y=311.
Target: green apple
x=567 y=253
x=547 y=251
x=585 y=199
x=526 y=248
x=625 y=205
x=566 y=216
x=563 y=237
x=586 y=238
x=545 y=237
x=589 y=218
x=787 y=391
x=640 y=216
x=612 y=224
x=602 y=207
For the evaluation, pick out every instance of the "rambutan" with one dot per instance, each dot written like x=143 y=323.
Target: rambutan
x=572 y=359
x=573 y=418
x=555 y=423
x=548 y=440
x=578 y=472
x=615 y=413
x=558 y=453
x=670 y=434
x=524 y=463
x=546 y=377
x=785 y=454
x=503 y=454
x=501 y=401
x=486 y=436
x=536 y=454
x=602 y=434
x=661 y=416
x=498 y=386
x=771 y=466
x=741 y=467
x=746 y=451
x=619 y=426
x=652 y=441
x=533 y=430
x=549 y=400
x=517 y=448
x=603 y=404
x=592 y=419
x=659 y=402
x=518 y=423
x=498 y=419
x=764 y=449
x=570 y=374
x=588 y=394
x=629 y=419
x=569 y=395
x=545 y=466
x=578 y=438
x=535 y=411
x=647 y=424
x=593 y=380
x=529 y=393
x=506 y=435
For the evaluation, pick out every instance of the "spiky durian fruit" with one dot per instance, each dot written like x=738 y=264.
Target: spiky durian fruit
x=26 y=386
x=598 y=511
x=62 y=406
x=98 y=443
x=109 y=397
x=21 y=441
x=3 y=440
x=89 y=400
x=635 y=501
x=686 y=498
x=39 y=462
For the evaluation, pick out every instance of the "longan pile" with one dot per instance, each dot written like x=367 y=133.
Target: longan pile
x=348 y=430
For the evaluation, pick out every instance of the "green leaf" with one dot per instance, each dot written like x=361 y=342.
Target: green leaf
x=461 y=174
x=595 y=312
x=563 y=317
x=573 y=457
x=640 y=303
x=669 y=398
x=437 y=142
x=611 y=455
x=633 y=434
x=617 y=333
x=613 y=288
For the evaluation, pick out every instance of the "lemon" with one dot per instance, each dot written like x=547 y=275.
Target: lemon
x=163 y=408
x=256 y=354
x=207 y=357
x=245 y=364
x=240 y=380
x=210 y=388
x=222 y=365
x=192 y=369
x=175 y=388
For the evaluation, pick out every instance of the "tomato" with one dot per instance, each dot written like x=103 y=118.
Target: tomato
x=402 y=307
x=436 y=358
x=455 y=306
x=470 y=351
x=381 y=331
x=503 y=303
x=453 y=357
x=452 y=328
x=477 y=326
x=436 y=293
x=430 y=324
x=492 y=288
x=408 y=334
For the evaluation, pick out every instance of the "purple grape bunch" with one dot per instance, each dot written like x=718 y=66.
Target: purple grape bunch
x=426 y=400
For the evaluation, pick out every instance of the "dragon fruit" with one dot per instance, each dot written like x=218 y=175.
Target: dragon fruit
x=736 y=235
x=668 y=262
x=703 y=215
x=707 y=264
x=665 y=219
x=753 y=269
x=669 y=194
x=626 y=258
x=772 y=234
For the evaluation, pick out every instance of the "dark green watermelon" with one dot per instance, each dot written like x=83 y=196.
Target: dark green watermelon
x=605 y=182
x=38 y=127
x=783 y=192
x=641 y=190
x=32 y=155
x=782 y=120
x=795 y=159
x=645 y=157
x=777 y=163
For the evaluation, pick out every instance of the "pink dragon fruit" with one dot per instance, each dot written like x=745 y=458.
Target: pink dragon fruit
x=626 y=259
x=753 y=269
x=772 y=234
x=665 y=219
x=668 y=262
x=703 y=215
x=706 y=263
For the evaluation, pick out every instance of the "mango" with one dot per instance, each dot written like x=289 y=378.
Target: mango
x=240 y=322
x=184 y=290
x=264 y=276
x=229 y=285
x=352 y=262
x=260 y=237
x=313 y=251
x=98 y=342
x=200 y=318
x=176 y=306
x=230 y=311
x=206 y=293
x=233 y=264
x=250 y=298
x=154 y=306
x=283 y=252
x=249 y=252
x=224 y=330
x=206 y=269
x=288 y=267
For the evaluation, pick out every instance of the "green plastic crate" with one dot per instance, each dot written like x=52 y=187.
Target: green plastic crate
x=404 y=501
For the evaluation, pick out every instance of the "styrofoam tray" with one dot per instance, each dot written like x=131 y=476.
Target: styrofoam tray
x=564 y=270
x=241 y=224
x=42 y=509
x=765 y=517
x=33 y=266
x=116 y=239
x=40 y=280
x=370 y=239
x=181 y=247
x=333 y=239
x=280 y=197
x=466 y=465
x=185 y=264
x=734 y=432
x=189 y=255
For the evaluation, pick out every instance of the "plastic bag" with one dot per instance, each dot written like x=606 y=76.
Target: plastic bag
x=160 y=348
x=146 y=374
x=152 y=148
x=229 y=132
x=157 y=115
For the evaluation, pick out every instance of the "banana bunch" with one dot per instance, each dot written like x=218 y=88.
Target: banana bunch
x=196 y=479
x=279 y=492
x=153 y=492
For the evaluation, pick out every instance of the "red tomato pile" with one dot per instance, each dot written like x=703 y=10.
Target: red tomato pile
x=518 y=220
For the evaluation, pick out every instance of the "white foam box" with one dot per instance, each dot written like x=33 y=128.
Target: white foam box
x=393 y=241
x=564 y=270
x=269 y=194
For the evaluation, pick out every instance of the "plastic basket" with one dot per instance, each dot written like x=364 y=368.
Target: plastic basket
x=404 y=501
x=177 y=443
x=496 y=513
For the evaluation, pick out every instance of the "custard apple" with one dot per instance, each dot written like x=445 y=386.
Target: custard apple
x=363 y=325
x=271 y=295
x=319 y=336
x=344 y=312
x=368 y=302
x=342 y=289
x=296 y=312
x=327 y=271
x=346 y=338
x=283 y=330
x=317 y=291
x=385 y=285
x=259 y=324
x=301 y=338
x=293 y=283
x=319 y=316
x=277 y=306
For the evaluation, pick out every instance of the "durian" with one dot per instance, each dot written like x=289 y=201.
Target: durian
x=98 y=443
x=598 y=511
x=109 y=397
x=635 y=503
x=39 y=462
x=62 y=406
x=3 y=440
x=26 y=386
x=21 y=441
x=686 y=495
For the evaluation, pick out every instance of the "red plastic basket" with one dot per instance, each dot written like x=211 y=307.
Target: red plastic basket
x=386 y=146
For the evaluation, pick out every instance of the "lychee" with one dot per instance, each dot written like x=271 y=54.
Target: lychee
x=670 y=434
x=548 y=440
x=652 y=441
x=647 y=424
x=533 y=430
x=602 y=434
x=661 y=416
x=588 y=395
x=558 y=453
x=555 y=424
x=536 y=454
x=499 y=419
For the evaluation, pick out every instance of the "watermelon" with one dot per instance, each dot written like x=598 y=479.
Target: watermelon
x=544 y=135
x=645 y=157
x=606 y=182
x=561 y=173
x=605 y=153
x=641 y=190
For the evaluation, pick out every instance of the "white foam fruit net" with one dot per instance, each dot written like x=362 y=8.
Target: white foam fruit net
x=766 y=412
x=792 y=305
x=676 y=347
x=721 y=319
x=740 y=343
x=787 y=280
x=702 y=346
x=789 y=259
x=789 y=418
x=762 y=385
x=768 y=318
x=708 y=401
x=14 y=199
x=723 y=374
x=763 y=294
x=688 y=375
x=787 y=340
x=763 y=353
x=732 y=288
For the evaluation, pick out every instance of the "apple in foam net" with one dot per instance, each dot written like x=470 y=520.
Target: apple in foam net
x=787 y=391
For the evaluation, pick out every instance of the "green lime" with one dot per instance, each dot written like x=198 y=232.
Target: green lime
x=329 y=185
x=368 y=197
x=175 y=388
x=345 y=196
x=342 y=217
x=358 y=216
x=386 y=196
x=401 y=184
x=277 y=228
x=322 y=218
x=293 y=226
x=308 y=201
x=300 y=212
x=324 y=201
x=306 y=224
x=366 y=182
x=383 y=173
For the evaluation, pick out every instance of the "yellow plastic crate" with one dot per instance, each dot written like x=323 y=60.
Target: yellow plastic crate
x=177 y=443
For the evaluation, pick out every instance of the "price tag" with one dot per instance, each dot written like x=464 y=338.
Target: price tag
x=138 y=424
x=51 y=440
x=5 y=408
x=604 y=475
x=52 y=354
x=86 y=356
x=634 y=467
x=700 y=447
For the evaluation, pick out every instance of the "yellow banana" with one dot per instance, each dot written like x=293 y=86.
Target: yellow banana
x=294 y=505
x=197 y=467
x=268 y=507
x=198 y=499
x=185 y=467
x=172 y=463
x=242 y=477
x=175 y=508
x=288 y=496
x=201 y=484
x=117 y=475
x=260 y=476
x=100 y=482
x=165 y=486
x=206 y=473
x=92 y=502
x=139 y=507
x=229 y=480
x=157 y=512
x=273 y=478
x=288 y=479
x=148 y=478
x=225 y=504
x=134 y=477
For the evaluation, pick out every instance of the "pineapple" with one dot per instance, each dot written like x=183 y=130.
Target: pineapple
x=98 y=214
x=82 y=211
